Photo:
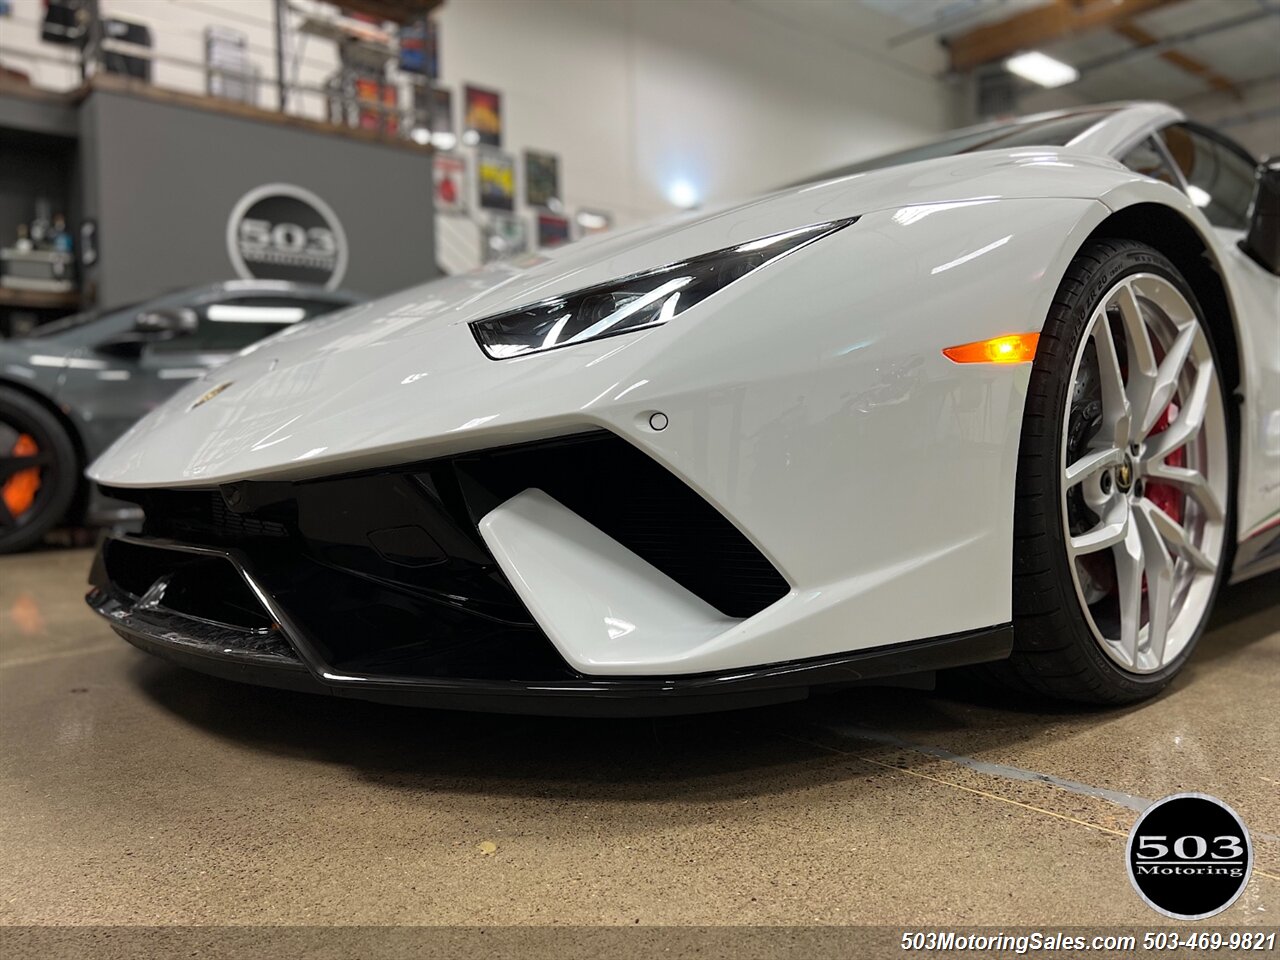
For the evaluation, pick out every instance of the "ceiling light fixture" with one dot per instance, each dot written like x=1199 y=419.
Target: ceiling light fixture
x=1042 y=69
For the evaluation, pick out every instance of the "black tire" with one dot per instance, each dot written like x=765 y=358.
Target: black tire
x=59 y=471
x=1055 y=653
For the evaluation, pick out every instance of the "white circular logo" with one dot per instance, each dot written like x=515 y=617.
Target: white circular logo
x=282 y=232
x=1189 y=856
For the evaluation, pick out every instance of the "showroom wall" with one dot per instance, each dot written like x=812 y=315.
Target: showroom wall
x=723 y=95
x=633 y=95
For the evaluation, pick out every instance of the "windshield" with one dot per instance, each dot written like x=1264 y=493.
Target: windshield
x=1048 y=132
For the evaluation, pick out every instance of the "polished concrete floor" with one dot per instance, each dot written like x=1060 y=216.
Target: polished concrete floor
x=132 y=792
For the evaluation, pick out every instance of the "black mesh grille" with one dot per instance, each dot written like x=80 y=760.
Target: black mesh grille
x=202 y=516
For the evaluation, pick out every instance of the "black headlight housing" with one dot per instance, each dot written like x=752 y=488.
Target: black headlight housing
x=636 y=302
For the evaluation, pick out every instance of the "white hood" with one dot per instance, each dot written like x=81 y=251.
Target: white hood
x=402 y=377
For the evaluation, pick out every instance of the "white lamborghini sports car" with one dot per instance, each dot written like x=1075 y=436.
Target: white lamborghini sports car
x=1012 y=396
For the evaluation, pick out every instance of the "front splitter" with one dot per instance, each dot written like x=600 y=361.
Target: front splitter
x=582 y=696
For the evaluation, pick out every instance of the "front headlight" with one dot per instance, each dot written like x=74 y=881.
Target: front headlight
x=636 y=302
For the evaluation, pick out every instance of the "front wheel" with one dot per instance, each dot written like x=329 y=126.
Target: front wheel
x=39 y=471
x=1125 y=488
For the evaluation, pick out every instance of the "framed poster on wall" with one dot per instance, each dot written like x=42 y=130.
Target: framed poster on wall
x=376 y=105
x=433 y=116
x=553 y=230
x=420 y=48
x=482 y=121
x=450 y=177
x=441 y=112
x=542 y=180
x=496 y=177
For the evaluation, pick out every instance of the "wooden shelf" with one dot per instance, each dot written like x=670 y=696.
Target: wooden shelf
x=137 y=88
x=39 y=299
x=401 y=11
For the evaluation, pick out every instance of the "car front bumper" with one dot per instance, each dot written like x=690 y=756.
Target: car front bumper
x=508 y=579
x=282 y=656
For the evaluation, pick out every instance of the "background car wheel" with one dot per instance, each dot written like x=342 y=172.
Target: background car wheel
x=1125 y=486
x=39 y=471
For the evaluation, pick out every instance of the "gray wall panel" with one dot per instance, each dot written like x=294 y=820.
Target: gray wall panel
x=166 y=179
x=37 y=113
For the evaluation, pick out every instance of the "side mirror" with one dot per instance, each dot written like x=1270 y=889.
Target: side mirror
x=151 y=326
x=166 y=324
x=1262 y=239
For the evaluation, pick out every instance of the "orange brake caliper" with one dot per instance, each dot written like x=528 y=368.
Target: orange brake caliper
x=19 y=490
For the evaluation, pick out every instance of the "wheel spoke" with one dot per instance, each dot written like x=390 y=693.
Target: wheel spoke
x=9 y=465
x=1141 y=356
x=1175 y=536
x=1091 y=463
x=1101 y=537
x=1115 y=404
x=1166 y=379
x=1129 y=566
x=1158 y=566
x=6 y=518
x=1190 y=418
x=1191 y=482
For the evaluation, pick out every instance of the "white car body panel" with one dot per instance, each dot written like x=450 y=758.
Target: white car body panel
x=1257 y=295
x=601 y=605
x=809 y=402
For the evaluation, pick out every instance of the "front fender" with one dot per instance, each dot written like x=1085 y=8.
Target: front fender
x=817 y=411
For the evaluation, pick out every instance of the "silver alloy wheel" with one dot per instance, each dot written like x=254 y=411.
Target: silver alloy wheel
x=1148 y=358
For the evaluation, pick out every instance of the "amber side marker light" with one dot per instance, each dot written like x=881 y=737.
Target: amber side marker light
x=1015 y=348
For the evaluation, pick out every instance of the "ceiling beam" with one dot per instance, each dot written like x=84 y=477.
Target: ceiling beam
x=1183 y=61
x=1039 y=26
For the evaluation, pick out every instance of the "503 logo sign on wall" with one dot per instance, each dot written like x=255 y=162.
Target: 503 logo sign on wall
x=282 y=232
x=1189 y=856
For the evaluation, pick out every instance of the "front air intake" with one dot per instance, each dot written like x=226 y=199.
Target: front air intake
x=646 y=508
x=195 y=598
x=386 y=573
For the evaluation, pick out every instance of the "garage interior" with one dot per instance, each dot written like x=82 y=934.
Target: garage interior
x=135 y=793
